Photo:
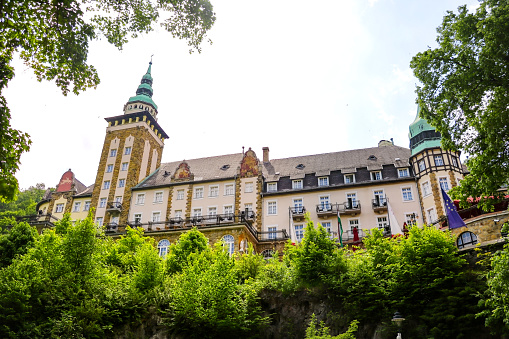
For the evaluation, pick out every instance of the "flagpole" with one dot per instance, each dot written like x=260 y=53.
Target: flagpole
x=340 y=228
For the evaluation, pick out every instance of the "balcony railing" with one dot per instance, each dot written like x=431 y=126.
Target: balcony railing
x=273 y=236
x=326 y=209
x=114 y=206
x=298 y=212
x=350 y=207
x=353 y=235
x=379 y=204
x=111 y=227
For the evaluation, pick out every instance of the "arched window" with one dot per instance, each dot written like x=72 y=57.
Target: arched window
x=466 y=239
x=162 y=247
x=228 y=243
x=267 y=254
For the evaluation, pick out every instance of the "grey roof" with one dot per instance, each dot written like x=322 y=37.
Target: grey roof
x=86 y=192
x=347 y=161
x=79 y=186
x=203 y=169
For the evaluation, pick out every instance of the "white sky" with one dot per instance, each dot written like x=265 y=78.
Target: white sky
x=299 y=77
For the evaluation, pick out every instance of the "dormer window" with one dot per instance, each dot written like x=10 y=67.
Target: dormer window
x=403 y=172
x=371 y=157
x=377 y=175
x=300 y=166
x=349 y=178
x=297 y=184
x=323 y=181
x=271 y=186
x=225 y=167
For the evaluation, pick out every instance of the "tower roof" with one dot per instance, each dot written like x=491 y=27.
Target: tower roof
x=145 y=91
x=422 y=135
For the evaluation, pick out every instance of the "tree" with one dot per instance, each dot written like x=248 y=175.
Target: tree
x=52 y=37
x=24 y=204
x=465 y=92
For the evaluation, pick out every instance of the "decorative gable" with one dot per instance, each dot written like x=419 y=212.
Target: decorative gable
x=182 y=173
x=249 y=166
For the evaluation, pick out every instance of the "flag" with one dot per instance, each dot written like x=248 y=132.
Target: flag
x=293 y=236
x=453 y=218
x=340 y=230
x=395 y=229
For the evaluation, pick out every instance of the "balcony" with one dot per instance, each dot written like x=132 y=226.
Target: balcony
x=114 y=207
x=351 y=207
x=326 y=210
x=281 y=235
x=112 y=227
x=298 y=212
x=379 y=204
x=353 y=236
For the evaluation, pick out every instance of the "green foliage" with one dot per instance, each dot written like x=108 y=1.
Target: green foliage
x=23 y=204
x=249 y=265
x=192 y=241
x=206 y=300
x=16 y=242
x=52 y=37
x=495 y=300
x=312 y=258
x=465 y=93
x=312 y=332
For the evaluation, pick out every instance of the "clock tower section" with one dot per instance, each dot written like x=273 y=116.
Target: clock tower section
x=132 y=150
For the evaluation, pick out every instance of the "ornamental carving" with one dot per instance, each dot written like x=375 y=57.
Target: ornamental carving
x=66 y=182
x=182 y=173
x=249 y=165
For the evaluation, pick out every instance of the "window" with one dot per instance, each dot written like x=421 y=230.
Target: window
x=125 y=165
x=327 y=226
x=87 y=206
x=156 y=216
x=267 y=254
x=114 y=221
x=324 y=204
x=272 y=187
x=297 y=184
x=297 y=206
x=352 y=200
x=102 y=203
x=272 y=232
x=272 y=207
x=410 y=219
x=180 y=194
x=178 y=214
x=228 y=189
x=323 y=181
x=106 y=185
x=113 y=153
x=426 y=189
x=137 y=218
x=407 y=194
x=422 y=165
x=248 y=207
x=380 y=198
x=127 y=151
x=99 y=221
x=212 y=211
x=121 y=183
x=109 y=168
x=352 y=223
x=59 y=208
x=158 y=197
x=118 y=199
x=466 y=239
x=198 y=193
x=249 y=187
x=162 y=247
x=382 y=223
x=454 y=161
x=228 y=210
x=140 y=199
x=197 y=212
x=431 y=215
x=349 y=178
x=299 y=232
x=376 y=175
x=403 y=172
x=228 y=244
x=213 y=191
x=439 y=161
x=444 y=183
x=77 y=206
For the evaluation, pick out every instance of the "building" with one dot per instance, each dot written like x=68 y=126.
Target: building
x=241 y=199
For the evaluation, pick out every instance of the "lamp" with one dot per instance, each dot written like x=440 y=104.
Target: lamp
x=398 y=319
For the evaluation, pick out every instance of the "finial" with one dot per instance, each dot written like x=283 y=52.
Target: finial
x=151 y=58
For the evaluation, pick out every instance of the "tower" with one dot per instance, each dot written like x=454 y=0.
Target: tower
x=132 y=150
x=433 y=166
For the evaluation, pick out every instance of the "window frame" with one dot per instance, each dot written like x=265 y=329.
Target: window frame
x=59 y=208
x=125 y=166
x=297 y=184
x=272 y=187
x=299 y=232
x=78 y=205
x=106 y=184
x=444 y=180
x=195 y=192
x=404 y=194
x=162 y=247
x=228 y=243
x=436 y=157
x=179 y=196
x=158 y=194
x=213 y=191
x=140 y=199
x=376 y=175
x=249 y=187
x=135 y=216
x=99 y=221
x=121 y=183
x=86 y=206
x=426 y=188
x=154 y=214
x=323 y=181
x=113 y=153
x=102 y=202
x=109 y=168
x=421 y=164
x=272 y=207
x=127 y=150
x=400 y=170
x=229 y=189
x=349 y=175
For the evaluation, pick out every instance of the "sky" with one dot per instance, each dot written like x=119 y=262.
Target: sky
x=298 y=77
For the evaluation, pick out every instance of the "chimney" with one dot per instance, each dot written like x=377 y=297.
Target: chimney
x=265 y=154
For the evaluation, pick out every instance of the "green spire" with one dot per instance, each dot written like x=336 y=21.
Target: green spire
x=422 y=135
x=145 y=91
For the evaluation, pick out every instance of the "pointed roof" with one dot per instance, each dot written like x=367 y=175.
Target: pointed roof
x=422 y=135
x=144 y=92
